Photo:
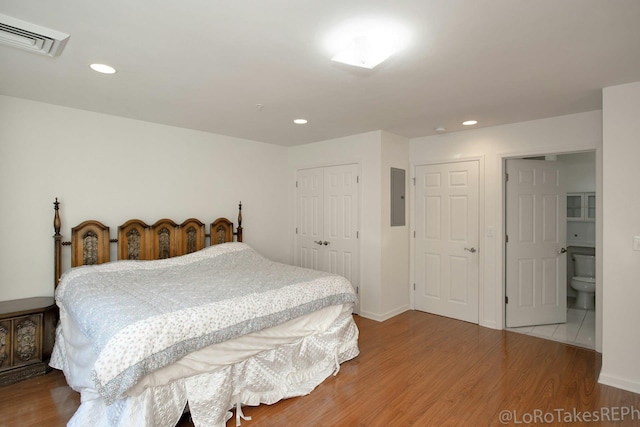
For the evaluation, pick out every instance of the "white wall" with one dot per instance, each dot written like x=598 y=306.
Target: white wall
x=621 y=213
x=579 y=170
x=394 y=295
x=113 y=169
x=577 y=132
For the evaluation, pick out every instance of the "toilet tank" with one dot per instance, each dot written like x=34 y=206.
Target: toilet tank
x=584 y=265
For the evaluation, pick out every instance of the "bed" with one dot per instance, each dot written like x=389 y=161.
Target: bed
x=175 y=325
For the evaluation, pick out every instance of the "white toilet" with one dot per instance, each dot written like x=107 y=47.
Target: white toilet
x=584 y=280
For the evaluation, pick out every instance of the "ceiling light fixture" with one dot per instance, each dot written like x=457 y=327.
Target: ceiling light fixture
x=470 y=122
x=300 y=121
x=366 y=42
x=103 y=68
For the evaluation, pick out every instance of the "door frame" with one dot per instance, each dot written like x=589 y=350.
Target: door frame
x=481 y=227
x=502 y=161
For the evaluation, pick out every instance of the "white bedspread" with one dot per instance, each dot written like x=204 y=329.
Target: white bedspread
x=124 y=347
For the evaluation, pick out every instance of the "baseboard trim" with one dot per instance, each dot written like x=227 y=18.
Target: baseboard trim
x=384 y=316
x=617 y=382
x=490 y=325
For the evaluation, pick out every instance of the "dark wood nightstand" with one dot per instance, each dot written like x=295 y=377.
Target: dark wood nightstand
x=27 y=335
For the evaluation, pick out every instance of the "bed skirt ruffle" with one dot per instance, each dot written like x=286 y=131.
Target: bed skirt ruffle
x=287 y=371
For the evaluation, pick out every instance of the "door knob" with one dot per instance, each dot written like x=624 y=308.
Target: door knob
x=562 y=251
x=317 y=242
x=472 y=250
x=325 y=243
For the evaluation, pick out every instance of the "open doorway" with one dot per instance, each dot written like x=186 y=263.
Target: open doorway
x=578 y=172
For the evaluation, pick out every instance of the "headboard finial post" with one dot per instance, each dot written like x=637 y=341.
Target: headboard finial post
x=239 y=229
x=57 y=244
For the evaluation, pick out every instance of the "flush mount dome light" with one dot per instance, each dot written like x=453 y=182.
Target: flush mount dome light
x=103 y=68
x=470 y=122
x=300 y=121
x=367 y=42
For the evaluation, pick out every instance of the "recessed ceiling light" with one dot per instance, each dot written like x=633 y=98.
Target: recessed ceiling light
x=300 y=121
x=470 y=122
x=103 y=68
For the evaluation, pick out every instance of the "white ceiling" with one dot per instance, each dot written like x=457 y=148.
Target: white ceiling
x=206 y=64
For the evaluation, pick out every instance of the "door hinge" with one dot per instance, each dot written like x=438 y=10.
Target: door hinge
x=357 y=179
x=296 y=230
x=296 y=184
x=506 y=175
x=357 y=234
x=414 y=234
x=357 y=290
x=506 y=238
x=414 y=286
x=414 y=181
x=506 y=299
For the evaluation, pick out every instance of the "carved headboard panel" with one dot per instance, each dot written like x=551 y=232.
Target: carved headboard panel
x=191 y=236
x=133 y=240
x=90 y=240
x=89 y=243
x=164 y=239
x=222 y=231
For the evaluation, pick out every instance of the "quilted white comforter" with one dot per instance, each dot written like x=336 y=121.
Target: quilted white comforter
x=142 y=316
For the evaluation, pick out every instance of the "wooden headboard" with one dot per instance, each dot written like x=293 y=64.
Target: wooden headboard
x=90 y=240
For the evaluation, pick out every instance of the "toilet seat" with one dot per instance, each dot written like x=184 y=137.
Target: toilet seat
x=585 y=279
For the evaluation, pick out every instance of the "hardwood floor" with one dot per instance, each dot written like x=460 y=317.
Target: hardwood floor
x=415 y=369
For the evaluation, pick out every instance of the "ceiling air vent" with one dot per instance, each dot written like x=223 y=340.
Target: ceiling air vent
x=31 y=37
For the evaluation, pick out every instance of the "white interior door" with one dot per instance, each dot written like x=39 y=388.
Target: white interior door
x=447 y=235
x=327 y=220
x=536 y=286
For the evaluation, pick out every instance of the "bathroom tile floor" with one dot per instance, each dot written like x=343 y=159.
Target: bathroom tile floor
x=580 y=329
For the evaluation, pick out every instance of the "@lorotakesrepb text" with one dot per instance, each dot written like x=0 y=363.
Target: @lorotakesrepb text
x=561 y=415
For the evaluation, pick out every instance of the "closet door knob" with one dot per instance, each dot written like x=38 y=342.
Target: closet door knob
x=472 y=250
x=317 y=242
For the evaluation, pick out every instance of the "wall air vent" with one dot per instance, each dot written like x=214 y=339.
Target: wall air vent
x=31 y=37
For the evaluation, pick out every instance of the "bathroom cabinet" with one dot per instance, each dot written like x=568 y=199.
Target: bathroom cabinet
x=581 y=216
x=581 y=206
